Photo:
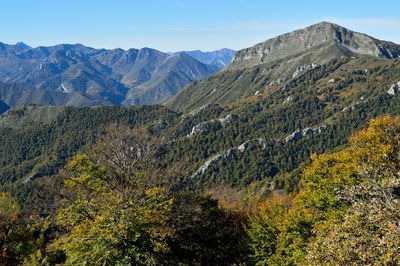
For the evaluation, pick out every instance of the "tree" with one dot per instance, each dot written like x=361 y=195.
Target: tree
x=204 y=233
x=347 y=211
x=369 y=233
x=264 y=228
x=115 y=208
x=15 y=237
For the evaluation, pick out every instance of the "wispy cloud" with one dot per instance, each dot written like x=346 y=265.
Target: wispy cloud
x=175 y=28
x=252 y=26
x=243 y=33
x=381 y=28
x=366 y=22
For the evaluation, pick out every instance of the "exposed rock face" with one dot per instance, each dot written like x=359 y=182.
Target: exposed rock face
x=288 y=99
x=298 y=134
x=230 y=118
x=242 y=147
x=204 y=127
x=303 y=68
x=394 y=89
x=318 y=36
x=208 y=126
x=223 y=156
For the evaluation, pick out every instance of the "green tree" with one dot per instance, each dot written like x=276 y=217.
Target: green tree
x=115 y=208
x=204 y=233
x=15 y=237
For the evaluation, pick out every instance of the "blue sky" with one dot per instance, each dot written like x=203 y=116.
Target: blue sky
x=173 y=25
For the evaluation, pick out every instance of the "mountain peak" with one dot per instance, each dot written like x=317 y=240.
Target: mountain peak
x=22 y=45
x=323 y=42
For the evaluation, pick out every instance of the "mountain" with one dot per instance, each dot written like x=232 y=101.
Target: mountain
x=320 y=43
x=166 y=79
x=78 y=75
x=279 y=60
x=219 y=58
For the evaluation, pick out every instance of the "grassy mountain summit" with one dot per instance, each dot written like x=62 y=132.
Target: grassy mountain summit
x=322 y=42
x=279 y=60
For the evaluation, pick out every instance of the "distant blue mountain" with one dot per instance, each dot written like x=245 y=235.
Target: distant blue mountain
x=219 y=58
x=74 y=74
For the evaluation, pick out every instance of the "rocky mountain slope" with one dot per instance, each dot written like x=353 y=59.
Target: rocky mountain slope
x=279 y=60
x=322 y=42
x=79 y=75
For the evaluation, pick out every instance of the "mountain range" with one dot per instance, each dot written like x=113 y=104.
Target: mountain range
x=82 y=76
x=257 y=120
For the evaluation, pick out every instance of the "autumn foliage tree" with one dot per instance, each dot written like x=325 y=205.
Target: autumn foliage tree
x=347 y=212
x=368 y=233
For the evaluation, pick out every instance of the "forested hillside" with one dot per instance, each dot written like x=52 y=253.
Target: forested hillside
x=119 y=206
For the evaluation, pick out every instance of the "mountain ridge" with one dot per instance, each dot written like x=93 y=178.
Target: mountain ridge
x=87 y=76
x=303 y=39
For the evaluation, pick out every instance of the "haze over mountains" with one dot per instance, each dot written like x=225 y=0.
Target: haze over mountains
x=82 y=76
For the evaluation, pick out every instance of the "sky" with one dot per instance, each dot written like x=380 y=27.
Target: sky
x=176 y=25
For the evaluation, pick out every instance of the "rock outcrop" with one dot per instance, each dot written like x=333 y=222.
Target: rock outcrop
x=299 y=134
x=211 y=125
x=224 y=156
x=304 y=68
x=394 y=89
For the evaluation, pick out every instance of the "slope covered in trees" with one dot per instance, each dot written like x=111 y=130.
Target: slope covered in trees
x=119 y=206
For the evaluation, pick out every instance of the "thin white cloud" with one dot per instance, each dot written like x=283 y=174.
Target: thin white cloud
x=241 y=34
x=176 y=28
x=366 y=22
